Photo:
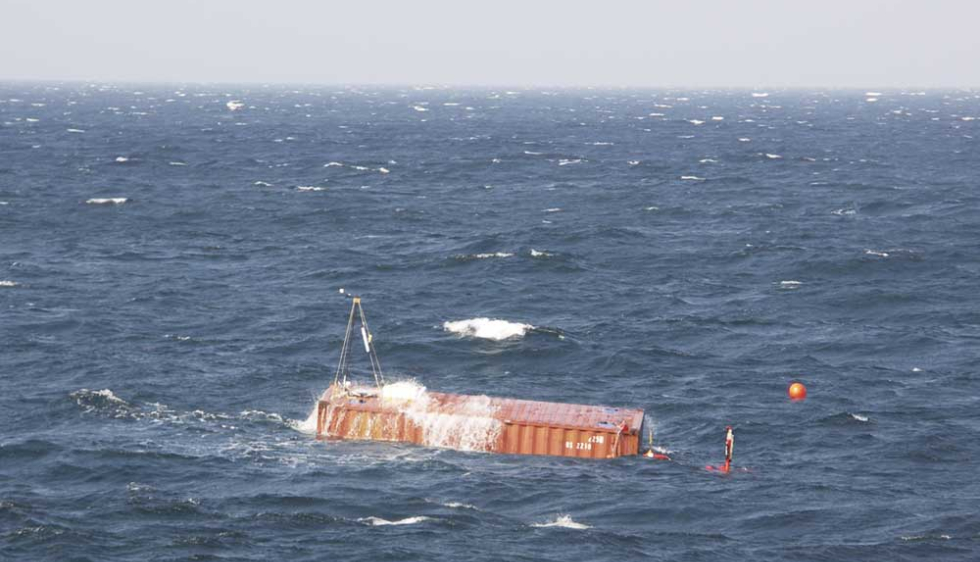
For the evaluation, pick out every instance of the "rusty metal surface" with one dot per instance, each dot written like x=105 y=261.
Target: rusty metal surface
x=480 y=423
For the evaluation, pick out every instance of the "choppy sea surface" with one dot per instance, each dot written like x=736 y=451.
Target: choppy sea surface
x=170 y=265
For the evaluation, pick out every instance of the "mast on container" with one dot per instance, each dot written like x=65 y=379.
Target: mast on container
x=343 y=365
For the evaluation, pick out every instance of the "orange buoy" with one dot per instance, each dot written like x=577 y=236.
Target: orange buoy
x=797 y=392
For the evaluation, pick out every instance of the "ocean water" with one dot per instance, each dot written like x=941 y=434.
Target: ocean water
x=171 y=259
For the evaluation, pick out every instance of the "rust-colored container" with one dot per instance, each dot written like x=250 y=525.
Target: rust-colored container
x=408 y=413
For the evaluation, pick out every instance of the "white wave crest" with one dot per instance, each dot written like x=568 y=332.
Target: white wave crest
x=563 y=521
x=485 y=256
x=537 y=254
x=692 y=178
x=790 y=284
x=773 y=156
x=6 y=283
x=459 y=505
x=859 y=417
x=332 y=165
x=107 y=200
x=377 y=521
x=234 y=105
x=467 y=425
x=487 y=328
x=104 y=400
x=122 y=159
x=876 y=253
x=760 y=94
x=569 y=161
x=309 y=188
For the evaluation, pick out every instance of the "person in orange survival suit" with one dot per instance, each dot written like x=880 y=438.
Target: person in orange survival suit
x=729 y=447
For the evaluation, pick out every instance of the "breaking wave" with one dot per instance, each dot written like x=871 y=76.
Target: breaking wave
x=466 y=425
x=487 y=328
x=107 y=200
x=377 y=521
x=483 y=256
x=565 y=521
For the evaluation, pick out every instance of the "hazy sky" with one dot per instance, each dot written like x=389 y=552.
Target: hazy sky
x=735 y=43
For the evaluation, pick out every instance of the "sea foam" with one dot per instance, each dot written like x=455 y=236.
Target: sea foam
x=487 y=328
x=107 y=200
x=563 y=521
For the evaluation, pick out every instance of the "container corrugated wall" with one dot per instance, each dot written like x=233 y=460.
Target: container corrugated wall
x=508 y=426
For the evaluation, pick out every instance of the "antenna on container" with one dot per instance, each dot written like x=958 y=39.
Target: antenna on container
x=343 y=365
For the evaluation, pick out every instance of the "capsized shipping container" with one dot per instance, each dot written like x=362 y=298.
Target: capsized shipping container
x=406 y=412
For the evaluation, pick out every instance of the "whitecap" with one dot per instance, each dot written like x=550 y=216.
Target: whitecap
x=459 y=505
x=717 y=118
x=760 y=94
x=234 y=105
x=773 y=156
x=487 y=255
x=261 y=183
x=309 y=188
x=790 y=284
x=377 y=521
x=692 y=178
x=384 y=170
x=332 y=164
x=873 y=94
x=563 y=521
x=177 y=163
x=107 y=200
x=6 y=283
x=651 y=208
x=553 y=210
x=707 y=161
x=537 y=254
x=487 y=328
x=859 y=417
x=876 y=253
x=567 y=161
x=76 y=130
x=634 y=162
x=122 y=159
x=419 y=108
x=744 y=139
x=842 y=212
x=695 y=121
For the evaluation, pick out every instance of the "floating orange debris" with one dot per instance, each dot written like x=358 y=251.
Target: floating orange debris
x=797 y=392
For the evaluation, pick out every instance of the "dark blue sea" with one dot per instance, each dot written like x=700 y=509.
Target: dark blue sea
x=171 y=260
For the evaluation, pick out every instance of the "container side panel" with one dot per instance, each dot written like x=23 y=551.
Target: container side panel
x=527 y=440
x=541 y=441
